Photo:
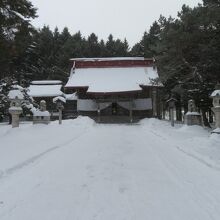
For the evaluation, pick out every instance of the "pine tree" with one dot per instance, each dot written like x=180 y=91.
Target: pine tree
x=93 y=47
x=110 y=46
x=14 y=19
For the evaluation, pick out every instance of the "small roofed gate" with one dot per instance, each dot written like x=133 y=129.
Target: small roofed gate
x=110 y=88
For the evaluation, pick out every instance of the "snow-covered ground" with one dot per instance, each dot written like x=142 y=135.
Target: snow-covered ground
x=86 y=171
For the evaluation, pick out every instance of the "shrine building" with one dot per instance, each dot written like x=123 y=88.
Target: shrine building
x=120 y=88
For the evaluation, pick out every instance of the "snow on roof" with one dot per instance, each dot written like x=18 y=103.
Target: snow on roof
x=15 y=93
x=17 y=87
x=215 y=93
x=60 y=98
x=107 y=58
x=118 y=79
x=45 y=90
x=46 y=82
x=72 y=96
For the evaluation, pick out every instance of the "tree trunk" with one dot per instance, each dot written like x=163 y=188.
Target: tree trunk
x=178 y=113
x=10 y=119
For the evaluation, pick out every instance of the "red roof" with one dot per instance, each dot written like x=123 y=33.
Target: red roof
x=112 y=62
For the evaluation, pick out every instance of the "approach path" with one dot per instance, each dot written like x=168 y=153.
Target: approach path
x=113 y=172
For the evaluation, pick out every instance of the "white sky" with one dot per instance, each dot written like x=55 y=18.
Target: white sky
x=122 y=18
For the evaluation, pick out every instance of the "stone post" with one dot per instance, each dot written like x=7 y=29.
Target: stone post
x=59 y=100
x=60 y=108
x=171 y=104
x=60 y=116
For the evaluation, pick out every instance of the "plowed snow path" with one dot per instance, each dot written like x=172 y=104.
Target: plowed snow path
x=113 y=172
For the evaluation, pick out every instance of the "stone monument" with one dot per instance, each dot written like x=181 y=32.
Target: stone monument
x=15 y=110
x=216 y=108
x=41 y=116
x=192 y=117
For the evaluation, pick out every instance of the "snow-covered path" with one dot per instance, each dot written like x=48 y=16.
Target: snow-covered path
x=113 y=172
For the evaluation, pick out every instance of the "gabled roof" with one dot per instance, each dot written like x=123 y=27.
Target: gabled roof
x=46 y=82
x=45 y=90
x=108 y=59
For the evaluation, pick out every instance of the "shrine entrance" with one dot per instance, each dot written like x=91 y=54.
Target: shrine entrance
x=114 y=108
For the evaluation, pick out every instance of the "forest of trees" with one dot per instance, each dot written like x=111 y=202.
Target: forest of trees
x=186 y=49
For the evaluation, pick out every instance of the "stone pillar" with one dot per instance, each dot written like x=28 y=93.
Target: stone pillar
x=60 y=116
x=59 y=100
x=171 y=104
x=60 y=108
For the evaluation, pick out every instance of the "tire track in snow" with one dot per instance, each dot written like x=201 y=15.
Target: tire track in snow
x=203 y=161
x=35 y=158
x=200 y=197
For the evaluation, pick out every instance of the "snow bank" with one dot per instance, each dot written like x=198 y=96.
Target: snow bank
x=196 y=141
x=27 y=141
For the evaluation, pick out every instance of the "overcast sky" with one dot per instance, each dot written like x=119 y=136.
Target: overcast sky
x=122 y=18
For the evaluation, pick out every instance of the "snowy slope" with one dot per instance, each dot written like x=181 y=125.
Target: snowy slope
x=84 y=171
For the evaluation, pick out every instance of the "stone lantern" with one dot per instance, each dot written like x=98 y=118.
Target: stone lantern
x=15 y=110
x=59 y=100
x=171 y=104
x=216 y=108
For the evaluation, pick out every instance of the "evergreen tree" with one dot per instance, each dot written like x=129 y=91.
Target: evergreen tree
x=110 y=47
x=14 y=19
x=93 y=47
